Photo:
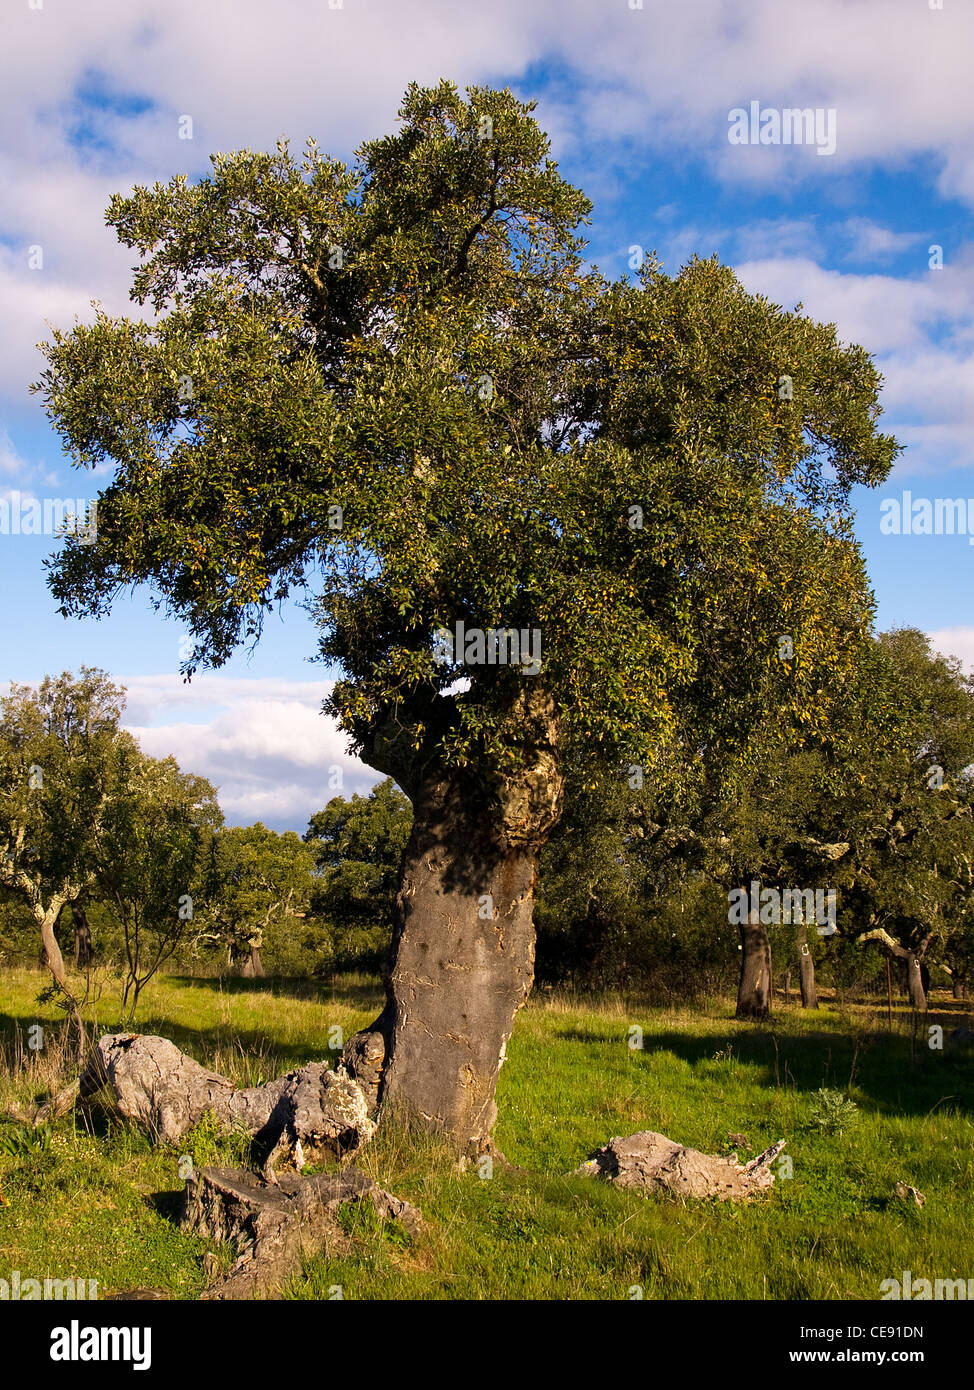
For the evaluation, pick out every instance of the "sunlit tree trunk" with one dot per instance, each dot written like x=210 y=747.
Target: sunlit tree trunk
x=463 y=950
x=754 y=989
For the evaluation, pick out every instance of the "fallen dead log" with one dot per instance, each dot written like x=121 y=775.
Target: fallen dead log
x=651 y=1162
x=302 y=1117
x=275 y=1226
x=58 y=1105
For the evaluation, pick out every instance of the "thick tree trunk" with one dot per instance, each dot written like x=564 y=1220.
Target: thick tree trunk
x=50 y=950
x=958 y=986
x=917 y=974
x=464 y=965
x=914 y=983
x=463 y=949
x=754 y=990
x=251 y=967
x=806 y=969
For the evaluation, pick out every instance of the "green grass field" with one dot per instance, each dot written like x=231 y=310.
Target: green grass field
x=91 y=1198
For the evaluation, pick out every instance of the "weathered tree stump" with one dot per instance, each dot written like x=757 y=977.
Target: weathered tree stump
x=651 y=1162
x=301 y=1117
x=275 y=1226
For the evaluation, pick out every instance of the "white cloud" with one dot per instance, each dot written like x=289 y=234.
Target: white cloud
x=880 y=311
x=263 y=743
x=632 y=82
x=955 y=641
x=919 y=330
x=870 y=241
x=11 y=463
x=895 y=72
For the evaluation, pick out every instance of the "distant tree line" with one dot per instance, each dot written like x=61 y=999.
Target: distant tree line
x=109 y=855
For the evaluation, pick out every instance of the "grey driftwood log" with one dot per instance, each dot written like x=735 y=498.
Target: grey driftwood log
x=274 y=1226
x=651 y=1162
x=308 y=1114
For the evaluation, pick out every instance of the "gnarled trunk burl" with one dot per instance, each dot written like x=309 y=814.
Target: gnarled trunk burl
x=463 y=949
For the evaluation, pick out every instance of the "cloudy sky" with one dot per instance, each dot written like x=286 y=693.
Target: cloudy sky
x=873 y=236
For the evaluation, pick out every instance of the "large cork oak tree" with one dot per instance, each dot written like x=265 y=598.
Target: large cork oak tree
x=399 y=386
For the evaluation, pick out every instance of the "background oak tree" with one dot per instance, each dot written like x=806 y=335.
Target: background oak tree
x=253 y=877
x=358 y=844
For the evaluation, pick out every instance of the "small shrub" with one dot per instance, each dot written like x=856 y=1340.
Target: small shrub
x=832 y=1111
x=25 y=1142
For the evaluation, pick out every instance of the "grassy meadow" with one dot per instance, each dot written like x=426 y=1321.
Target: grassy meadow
x=91 y=1198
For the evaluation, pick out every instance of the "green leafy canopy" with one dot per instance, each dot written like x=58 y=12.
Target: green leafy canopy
x=397 y=389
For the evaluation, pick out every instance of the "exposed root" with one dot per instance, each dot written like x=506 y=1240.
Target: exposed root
x=306 y=1115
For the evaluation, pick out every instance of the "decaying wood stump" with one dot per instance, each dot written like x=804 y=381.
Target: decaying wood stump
x=275 y=1226
x=301 y=1117
x=652 y=1162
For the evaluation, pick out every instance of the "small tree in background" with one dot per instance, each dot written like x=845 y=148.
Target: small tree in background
x=254 y=877
x=62 y=755
x=149 y=857
x=909 y=812
x=358 y=846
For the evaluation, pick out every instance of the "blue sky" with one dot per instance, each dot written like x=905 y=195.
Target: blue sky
x=636 y=101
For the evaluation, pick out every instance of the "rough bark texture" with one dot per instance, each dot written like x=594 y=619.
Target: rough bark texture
x=250 y=966
x=464 y=942
x=464 y=966
x=754 y=990
x=917 y=974
x=651 y=1162
x=275 y=1226
x=307 y=1114
x=915 y=985
x=83 y=951
x=50 y=950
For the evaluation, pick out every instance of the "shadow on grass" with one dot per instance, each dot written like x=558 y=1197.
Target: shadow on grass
x=891 y=1072
x=168 y=1205
x=291 y=986
x=202 y=1043
x=251 y=1044
x=356 y=993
